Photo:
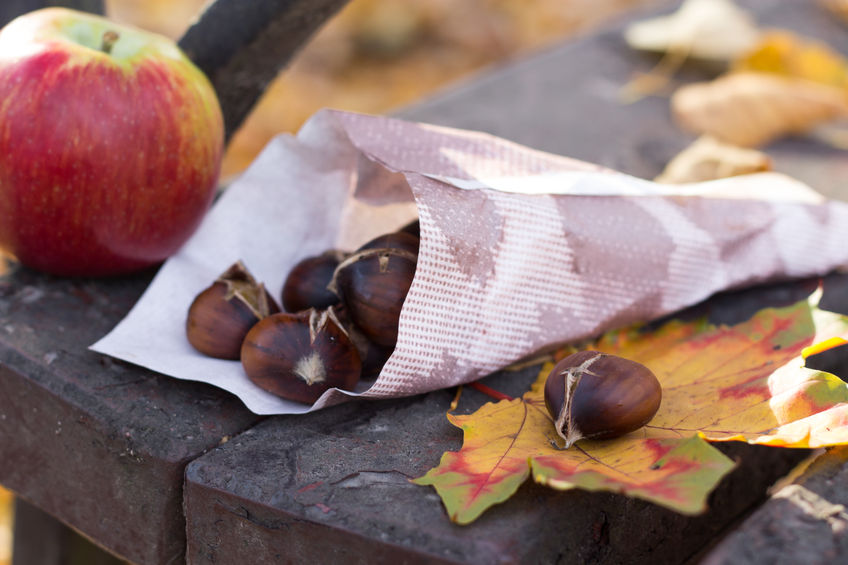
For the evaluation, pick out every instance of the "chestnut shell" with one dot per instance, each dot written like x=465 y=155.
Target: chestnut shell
x=395 y=240
x=610 y=396
x=300 y=356
x=373 y=285
x=306 y=284
x=221 y=315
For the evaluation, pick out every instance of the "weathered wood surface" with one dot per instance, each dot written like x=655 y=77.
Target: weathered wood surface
x=804 y=522
x=332 y=486
x=98 y=443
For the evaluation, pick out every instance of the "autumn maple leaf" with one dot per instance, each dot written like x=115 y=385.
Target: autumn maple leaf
x=744 y=382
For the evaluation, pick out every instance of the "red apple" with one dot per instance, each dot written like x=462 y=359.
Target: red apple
x=110 y=144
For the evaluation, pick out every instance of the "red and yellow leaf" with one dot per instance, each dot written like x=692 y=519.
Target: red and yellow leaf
x=497 y=441
x=744 y=382
x=669 y=472
x=504 y=441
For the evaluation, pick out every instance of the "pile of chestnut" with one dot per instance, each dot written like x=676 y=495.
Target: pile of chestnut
x=339 y=324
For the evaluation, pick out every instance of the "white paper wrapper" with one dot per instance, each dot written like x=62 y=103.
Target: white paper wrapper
x=519 y=249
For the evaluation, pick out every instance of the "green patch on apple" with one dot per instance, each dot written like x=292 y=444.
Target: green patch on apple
x=130 y=42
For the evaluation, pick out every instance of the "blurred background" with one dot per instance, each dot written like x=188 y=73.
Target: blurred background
x=375 y=56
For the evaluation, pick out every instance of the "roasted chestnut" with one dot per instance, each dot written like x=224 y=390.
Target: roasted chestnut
x=221 y=315
x=373 y=285
x=299 y=356
x=306 y=284
x=595 y=395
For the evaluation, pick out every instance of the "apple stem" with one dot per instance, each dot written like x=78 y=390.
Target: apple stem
x=109 y=39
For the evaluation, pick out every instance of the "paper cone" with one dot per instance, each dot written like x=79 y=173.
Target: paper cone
x=520 y=250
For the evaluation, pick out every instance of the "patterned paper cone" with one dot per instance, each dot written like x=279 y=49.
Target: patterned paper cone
x=504 y=272
x=520 y=249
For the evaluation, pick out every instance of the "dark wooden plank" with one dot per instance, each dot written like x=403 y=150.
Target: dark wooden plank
x=100 y=444
x=10 y=9
x=241 y=46
x=804 y=522
x=332 y=486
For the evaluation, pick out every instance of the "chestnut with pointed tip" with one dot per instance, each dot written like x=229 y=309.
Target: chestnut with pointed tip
x=593 y=395
x=300 y=356
x=222 y=314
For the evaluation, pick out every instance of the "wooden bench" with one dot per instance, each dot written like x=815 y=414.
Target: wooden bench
x=160 y=471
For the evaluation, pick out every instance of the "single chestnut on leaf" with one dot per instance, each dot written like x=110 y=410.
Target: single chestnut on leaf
x=221 y=315
x=373 y=284
x=299 y=356
x=306 y=284
x=593 y=395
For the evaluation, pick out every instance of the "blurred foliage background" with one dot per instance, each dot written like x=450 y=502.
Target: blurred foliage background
x=375 y=56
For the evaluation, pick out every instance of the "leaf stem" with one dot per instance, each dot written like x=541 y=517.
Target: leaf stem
x=488 y=391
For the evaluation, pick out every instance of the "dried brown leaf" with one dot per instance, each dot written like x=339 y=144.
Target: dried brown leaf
x=752 y=109
x=708 y=159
